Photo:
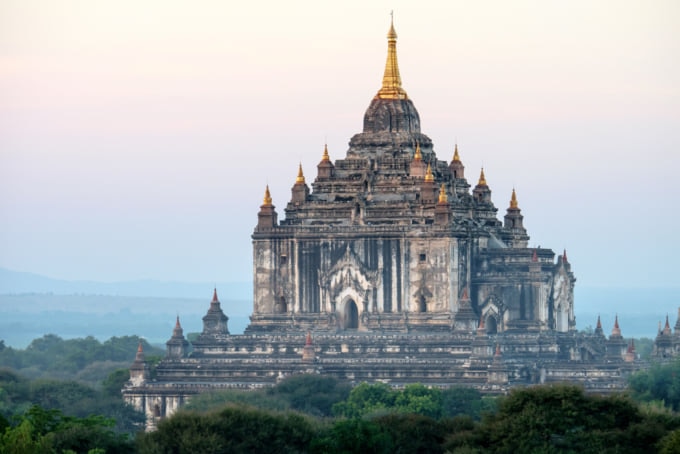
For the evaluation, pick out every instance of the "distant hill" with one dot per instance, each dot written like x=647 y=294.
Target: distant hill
x=16 y=282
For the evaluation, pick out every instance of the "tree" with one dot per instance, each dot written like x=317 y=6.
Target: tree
x=312 y=394
x=670 y=444
x=661 y=382
x=562 y=418
x=40 y=430
x=234 y=429
x=349 y=436
x=413 y=433
x=461 y=400
x=365 y=399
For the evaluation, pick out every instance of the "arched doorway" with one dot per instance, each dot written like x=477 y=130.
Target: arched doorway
x=422 y=304
x=491 y=326
x=281 y=307
x=350 y=317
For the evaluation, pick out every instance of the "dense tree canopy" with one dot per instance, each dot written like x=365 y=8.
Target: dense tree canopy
x=45 y=431
x=319 y=414
x=231 y=430
x=660 y=383
x=85 y=359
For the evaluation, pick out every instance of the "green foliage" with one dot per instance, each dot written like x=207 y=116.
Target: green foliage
x=371 y=399
x=564 y=419
x=40 y=431
x=311 y=394
x=86 y=360
x=350 y=436
x=658 y=383
x=461 y=400
x=365 y=399
x=17 y=394
x=413 y=433
x=233 y=429
x=644 y=346
x=670 y=444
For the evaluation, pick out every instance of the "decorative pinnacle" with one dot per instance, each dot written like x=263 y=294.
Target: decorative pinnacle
x=443 y=198
x=456 y=156
x=616 y=331
x=482 y=178
x=214 y=299
x=667 y=327
x=391 y=83
x=267 y=197
x=300 y=176
x=429 y=178
x=418 y=156
x=564 y=257
x=325 y=153
x=513 y=199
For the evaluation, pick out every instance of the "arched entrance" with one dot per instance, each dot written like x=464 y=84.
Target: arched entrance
x=422 y=304
x=350 y=317
x=491 y=326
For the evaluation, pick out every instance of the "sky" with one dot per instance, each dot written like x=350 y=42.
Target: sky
x=136 y=138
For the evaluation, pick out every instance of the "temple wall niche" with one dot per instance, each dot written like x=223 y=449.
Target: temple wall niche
x=273 y=271
x=431 y=270
x=371 y=267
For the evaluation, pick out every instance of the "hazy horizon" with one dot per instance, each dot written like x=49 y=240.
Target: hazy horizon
x=136 y=138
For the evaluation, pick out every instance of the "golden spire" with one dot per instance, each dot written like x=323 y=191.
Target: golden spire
x=391 y=83
x=456 y=157
x=482 y=179
x=300 y=176
x=325 y=153
x=513 y=199
x=443 y=198
x=267 y=201
x=429 y=178
x=419 y=155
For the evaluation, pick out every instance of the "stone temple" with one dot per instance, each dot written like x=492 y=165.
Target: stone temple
x=393 y=268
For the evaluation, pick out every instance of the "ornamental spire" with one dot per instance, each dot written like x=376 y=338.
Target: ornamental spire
x=325 y=153
x=513 y=199
x=418 y=156
x=456 y=156
x=391 y=83
x=616 y=331
x=300 y=176
x=443 y=198
x=482 y=178
x=429 y=178
x=267 y=197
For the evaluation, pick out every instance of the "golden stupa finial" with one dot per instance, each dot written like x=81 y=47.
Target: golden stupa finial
x=419 y=155
x=482 y=178
x=513 y=199
x=429 y=178
x=267 y=197
x=391 y=83
x=325 y=153
x=456 y=157
x=300 y=176
x=443 y=198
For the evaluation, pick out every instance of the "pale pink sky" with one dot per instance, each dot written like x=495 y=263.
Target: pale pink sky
x=136 y=137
